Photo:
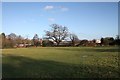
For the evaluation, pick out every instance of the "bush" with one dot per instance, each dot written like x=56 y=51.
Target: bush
x=47 y=43
x=84 y=43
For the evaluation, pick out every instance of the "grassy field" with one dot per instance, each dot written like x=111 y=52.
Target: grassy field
x=60 y=62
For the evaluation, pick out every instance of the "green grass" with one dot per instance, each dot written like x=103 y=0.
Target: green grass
x=60 y=62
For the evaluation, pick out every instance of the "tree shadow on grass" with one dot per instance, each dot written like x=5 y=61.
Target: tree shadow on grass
x=23 y=67
x=107 y=50
x=91 y=49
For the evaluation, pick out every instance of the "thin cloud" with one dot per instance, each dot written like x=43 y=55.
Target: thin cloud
x=64 y=8
x=41 y=15
x=48 y=7
x=60 y=8
x=51 y=19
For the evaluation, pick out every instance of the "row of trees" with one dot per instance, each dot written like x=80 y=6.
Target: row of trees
x=59 y=33
x=55 y=36
x=107 y=41
x=11 y=40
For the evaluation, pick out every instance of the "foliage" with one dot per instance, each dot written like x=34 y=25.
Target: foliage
x=117 y=40
x=46 y=43
x=56 y=37
x=84 y=42
x=3 y=40
x=6 y=43
x=11 y=40
x=36 y=40
x=107 y=41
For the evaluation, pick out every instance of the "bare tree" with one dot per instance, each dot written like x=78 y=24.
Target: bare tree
x=19 y=39
x=36 y=40
x=74 y=38
x=12 y=36
x=58 y=33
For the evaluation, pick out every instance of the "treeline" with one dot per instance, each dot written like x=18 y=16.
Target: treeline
x=57 y=36
x=12 y=41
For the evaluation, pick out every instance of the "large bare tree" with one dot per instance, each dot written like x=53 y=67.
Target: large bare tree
x=74 y=38
x=58 y=33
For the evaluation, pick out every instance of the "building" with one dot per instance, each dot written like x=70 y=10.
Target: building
x=97 y=41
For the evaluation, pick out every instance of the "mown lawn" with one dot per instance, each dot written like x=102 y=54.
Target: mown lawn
x=60 y=62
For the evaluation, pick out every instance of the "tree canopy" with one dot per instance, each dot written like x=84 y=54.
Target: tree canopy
x=58 y=33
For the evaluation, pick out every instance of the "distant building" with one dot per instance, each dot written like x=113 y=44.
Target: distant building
x=22 y=45
x=97 y=41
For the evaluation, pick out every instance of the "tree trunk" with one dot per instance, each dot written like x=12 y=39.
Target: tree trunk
x=58 y=43
x=73 y=43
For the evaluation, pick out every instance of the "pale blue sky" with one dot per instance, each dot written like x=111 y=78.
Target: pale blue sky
x=88 y=20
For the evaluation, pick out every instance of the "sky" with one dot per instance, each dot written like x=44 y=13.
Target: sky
x=88 y=20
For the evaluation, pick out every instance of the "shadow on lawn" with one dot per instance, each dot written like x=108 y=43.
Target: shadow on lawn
x=107 y=50
x=23 y=67
x=91 y=49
